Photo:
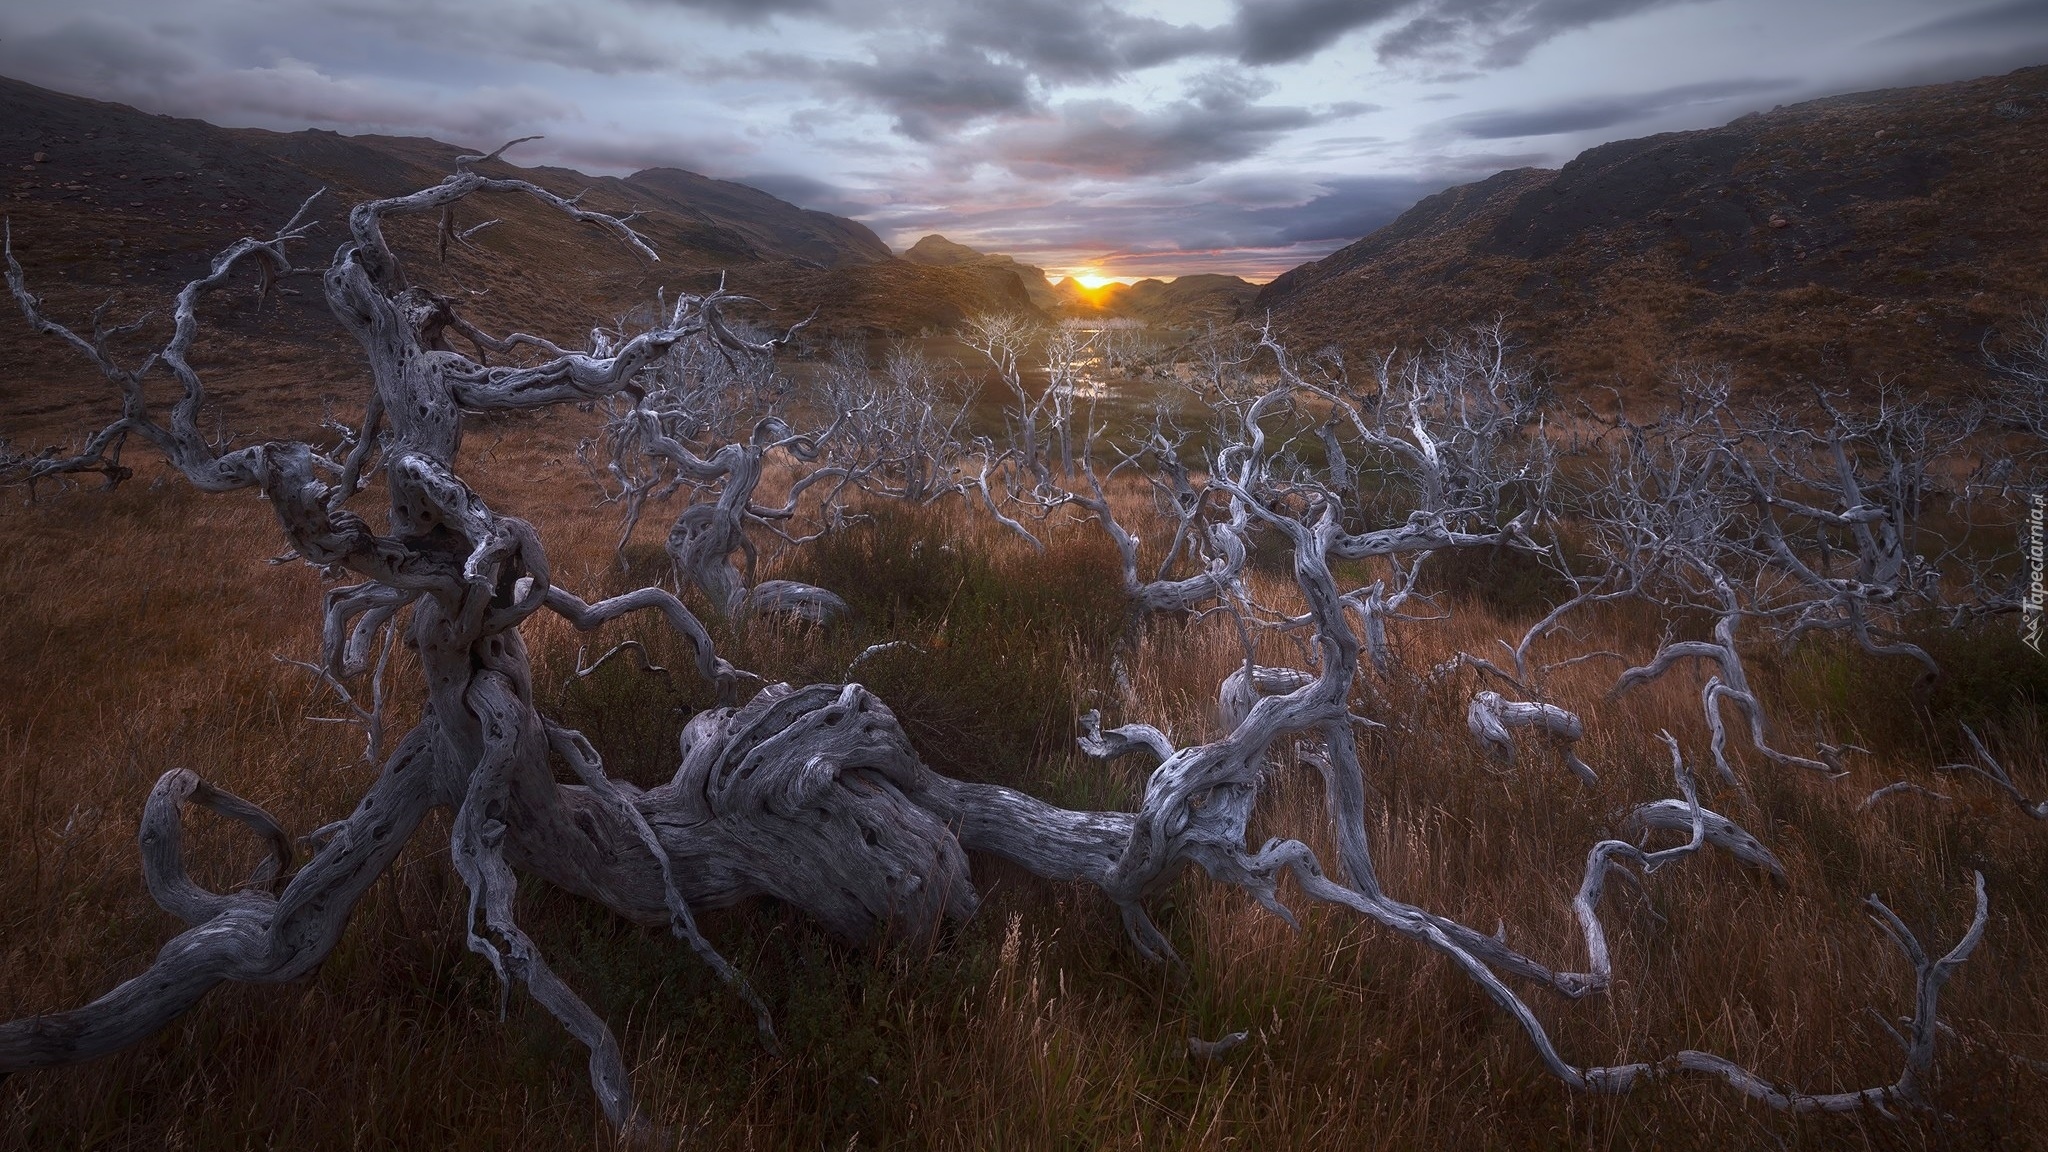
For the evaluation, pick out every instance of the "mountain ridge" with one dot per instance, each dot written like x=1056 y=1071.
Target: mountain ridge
x=1886 y=233
x=1876 y=234
x=103 y=197
x=936 y=251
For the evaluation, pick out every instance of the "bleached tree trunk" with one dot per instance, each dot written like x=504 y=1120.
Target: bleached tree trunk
x=773 y=798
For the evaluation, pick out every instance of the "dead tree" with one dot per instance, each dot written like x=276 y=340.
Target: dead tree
x=469 y=576
x=1838 y=511
x=1779 y=520
x=1454 y=433
x=1790 y=521
x=902 y=435
x=1987 y=766
x=1309 y=513
x=895 y=437
x=1007 y=341
x=1449 y=444
x=2011 y=473
x=1198 y=801
x=1492 y=715
x=698 y=391
x=707 y=392
x=1216 y=543
x=1210 y=529
x=2019 y=407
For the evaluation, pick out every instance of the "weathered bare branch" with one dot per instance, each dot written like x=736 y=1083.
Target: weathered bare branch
x=1903 y=787
x=1987 y=766
x=1491 y=715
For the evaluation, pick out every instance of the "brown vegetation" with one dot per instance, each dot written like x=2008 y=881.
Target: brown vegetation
x=1034 y=1025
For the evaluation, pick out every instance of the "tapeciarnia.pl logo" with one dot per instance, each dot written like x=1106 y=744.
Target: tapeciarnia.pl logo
x=2036 y=599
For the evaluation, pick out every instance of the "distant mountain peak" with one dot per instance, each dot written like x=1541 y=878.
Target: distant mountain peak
x=938 y=252
x=1183 y=302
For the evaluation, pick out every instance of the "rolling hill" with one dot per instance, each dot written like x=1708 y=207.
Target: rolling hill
x=1830 y=242
x=101 y=198
x=1183 y=302
x=938 y=252
x=1879 y=234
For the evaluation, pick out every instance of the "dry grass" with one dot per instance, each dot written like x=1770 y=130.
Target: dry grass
x=137 y=634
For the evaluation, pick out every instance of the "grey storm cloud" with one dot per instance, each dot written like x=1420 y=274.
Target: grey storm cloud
x=119 y=61
x=932 y=92
x=977 y=59
x=110 y=59
x=1500 y=33
x=2027 y=18
x=1218 y=121
x=956 y=62
x=744 y=12
x=1057 y=41
x=1350 y=207
x=603 y=40
x=616 y=151
x=297 y=92
x=808 y=192
x=1071 y=39
x=1598 y=112
x=1257 y=224
x=1277 y=31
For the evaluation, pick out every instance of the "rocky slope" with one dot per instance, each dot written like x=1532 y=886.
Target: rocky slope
x=102 y=198
x=938 y=252
x=1832 y=242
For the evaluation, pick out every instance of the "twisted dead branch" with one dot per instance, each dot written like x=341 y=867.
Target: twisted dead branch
x=1987 y=766
x=1491 y=715
x=469 y=577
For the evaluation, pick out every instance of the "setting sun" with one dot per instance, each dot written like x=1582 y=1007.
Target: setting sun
x=1091 y=280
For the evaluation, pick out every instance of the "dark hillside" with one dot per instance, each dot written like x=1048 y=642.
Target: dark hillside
x=938 y=252
x=1881 y=233
x=102 y=198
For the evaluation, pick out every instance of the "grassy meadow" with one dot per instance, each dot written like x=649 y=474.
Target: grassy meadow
x=141 y=630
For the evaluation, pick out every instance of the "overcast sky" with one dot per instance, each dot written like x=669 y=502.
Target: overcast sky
x=1131 y=137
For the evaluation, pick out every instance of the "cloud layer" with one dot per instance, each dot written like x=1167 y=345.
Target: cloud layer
x=1139 y=136
x=1592 y=113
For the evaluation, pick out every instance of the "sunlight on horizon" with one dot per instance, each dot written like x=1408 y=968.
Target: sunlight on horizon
x=1094 y=277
